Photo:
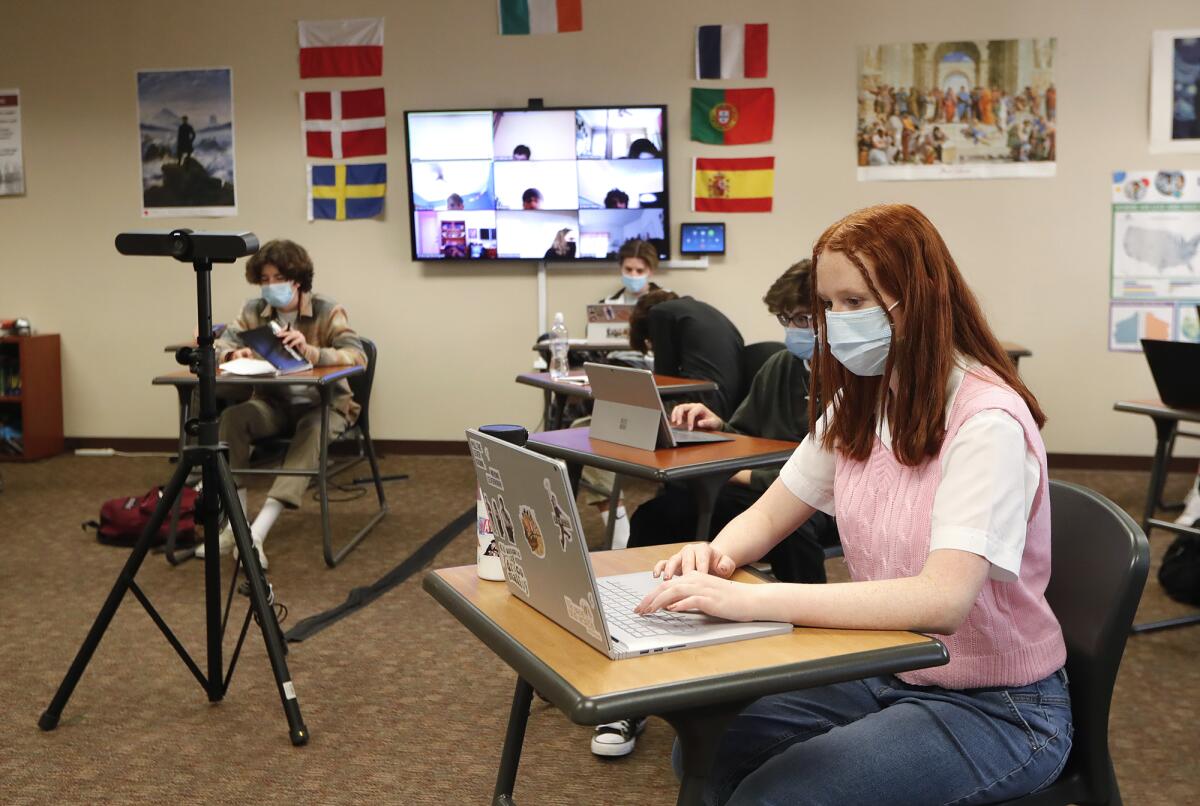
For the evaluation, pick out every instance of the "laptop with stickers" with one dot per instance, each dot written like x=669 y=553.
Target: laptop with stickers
x=547 y=566
x=629 y=411
x=608 y=323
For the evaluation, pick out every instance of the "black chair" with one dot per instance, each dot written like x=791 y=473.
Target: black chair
x=753 y=358
x=360 y=432
x=1100 y=561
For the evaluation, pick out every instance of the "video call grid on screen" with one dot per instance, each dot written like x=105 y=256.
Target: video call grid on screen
x=530 y=184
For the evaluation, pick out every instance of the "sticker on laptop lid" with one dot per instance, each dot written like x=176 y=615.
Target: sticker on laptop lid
x=477 y=453
x=532 y=531
x=510 y=560
x=502 y=522
x=562 y=519
x=584 y=614
x=494 y=478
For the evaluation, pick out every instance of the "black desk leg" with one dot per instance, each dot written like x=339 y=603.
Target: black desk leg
x=575 y=476
x=560 y=410
x=514 y=737
x=1165 y=433
x=705 y=490
x=699 y=731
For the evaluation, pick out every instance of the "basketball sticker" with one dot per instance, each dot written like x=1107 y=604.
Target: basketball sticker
x=584 y=614
x=532 y=531
x=562 y=520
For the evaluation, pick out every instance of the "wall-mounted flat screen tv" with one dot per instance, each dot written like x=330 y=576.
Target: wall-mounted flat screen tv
x=559 y=184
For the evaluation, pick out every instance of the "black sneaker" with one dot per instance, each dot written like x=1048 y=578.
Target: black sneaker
x=617 y=738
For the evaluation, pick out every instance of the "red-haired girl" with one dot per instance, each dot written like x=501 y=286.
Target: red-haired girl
x=931 y=459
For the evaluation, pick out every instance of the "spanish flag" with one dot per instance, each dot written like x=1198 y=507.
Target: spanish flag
x=733 y=117
x=733 y=185
x=339 y=191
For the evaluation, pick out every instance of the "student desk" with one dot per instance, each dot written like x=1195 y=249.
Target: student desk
x=704 y=468
x=324 y=379
x=696 y=690
x=1166 y=427
x=668 y=386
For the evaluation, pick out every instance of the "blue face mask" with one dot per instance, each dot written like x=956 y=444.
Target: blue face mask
x=860 y=340
x=800 y=341
x=634 y=284
x=278 y=295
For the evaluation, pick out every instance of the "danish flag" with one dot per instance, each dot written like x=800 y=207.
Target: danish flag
x=346 y=123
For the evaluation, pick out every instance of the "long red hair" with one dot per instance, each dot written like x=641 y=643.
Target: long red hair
x=941 y=318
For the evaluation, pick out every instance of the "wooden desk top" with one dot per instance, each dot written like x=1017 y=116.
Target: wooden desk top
x=668 y=385
x=1156 y=408
x=317 y=376
x=592 y=689
x=1015 y=350
x=585 y=346
x=576 y=445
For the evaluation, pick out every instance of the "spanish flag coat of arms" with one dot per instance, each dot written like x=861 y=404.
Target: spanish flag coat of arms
x=733 y=185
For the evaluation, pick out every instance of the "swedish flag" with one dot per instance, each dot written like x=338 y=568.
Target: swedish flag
x=346 y=191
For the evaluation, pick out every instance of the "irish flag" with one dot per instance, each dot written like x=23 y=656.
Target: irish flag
x=341 y=47
x=733 y=117
x=540 y=16
x=733 y=185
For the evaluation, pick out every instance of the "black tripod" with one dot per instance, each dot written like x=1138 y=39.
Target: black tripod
x=219 y=494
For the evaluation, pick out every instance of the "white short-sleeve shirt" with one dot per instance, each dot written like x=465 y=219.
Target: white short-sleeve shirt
x=982 y=504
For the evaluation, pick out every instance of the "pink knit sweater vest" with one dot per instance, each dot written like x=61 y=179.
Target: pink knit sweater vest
x=884 y=511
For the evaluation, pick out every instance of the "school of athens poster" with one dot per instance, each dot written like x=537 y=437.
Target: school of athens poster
x=973 y=109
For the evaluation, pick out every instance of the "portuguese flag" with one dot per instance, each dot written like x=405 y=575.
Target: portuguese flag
x=733 y=185
x=733 y=117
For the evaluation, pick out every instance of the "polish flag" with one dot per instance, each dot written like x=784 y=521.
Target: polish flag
x=340 y=124
x=341 y=47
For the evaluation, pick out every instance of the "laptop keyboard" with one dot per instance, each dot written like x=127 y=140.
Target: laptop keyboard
x=618 y=602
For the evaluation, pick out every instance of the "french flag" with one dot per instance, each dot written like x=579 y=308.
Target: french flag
x=342 y=124
x=341 y=47
x=731 y=51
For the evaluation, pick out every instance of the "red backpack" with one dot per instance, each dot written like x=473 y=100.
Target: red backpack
x=123 y=519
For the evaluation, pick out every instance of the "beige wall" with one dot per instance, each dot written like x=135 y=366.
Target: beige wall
x=452 y=338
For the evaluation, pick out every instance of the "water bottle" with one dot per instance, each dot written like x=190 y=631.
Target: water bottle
x=558 y=348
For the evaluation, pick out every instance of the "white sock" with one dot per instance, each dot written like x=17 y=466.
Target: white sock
x=266 y=519
x=621 y=530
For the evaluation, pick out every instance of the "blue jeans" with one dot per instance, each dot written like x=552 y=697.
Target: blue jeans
x=882 y=741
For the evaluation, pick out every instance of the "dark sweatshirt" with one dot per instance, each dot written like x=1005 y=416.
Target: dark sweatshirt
x=776 y=407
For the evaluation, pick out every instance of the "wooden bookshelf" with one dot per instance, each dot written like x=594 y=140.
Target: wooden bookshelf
x=38 y=408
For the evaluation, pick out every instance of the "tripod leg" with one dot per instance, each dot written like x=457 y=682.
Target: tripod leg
x=259 y=601
x=209 y=516
x=50 y=717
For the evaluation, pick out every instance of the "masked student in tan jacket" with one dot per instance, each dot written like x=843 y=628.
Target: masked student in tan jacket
x=319 y=330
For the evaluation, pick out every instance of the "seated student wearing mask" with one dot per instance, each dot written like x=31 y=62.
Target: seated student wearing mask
x=638 y=261
x=776 y=407
x=317 y=328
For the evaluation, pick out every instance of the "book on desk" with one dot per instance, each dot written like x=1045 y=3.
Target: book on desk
x=277 y=358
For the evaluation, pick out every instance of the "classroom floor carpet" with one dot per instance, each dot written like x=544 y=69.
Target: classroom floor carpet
x=403 y=704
